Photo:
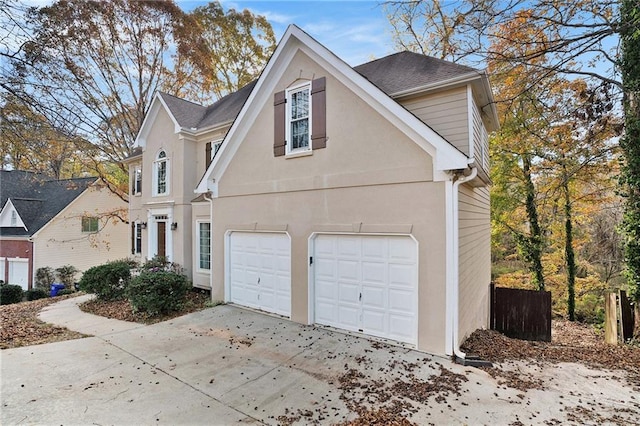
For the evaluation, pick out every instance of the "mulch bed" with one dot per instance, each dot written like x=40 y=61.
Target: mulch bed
x=570 y=342
x=21 y=326
x=122 y=310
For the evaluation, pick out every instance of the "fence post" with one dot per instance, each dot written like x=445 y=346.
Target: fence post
x=611 y=319
x=492 y=311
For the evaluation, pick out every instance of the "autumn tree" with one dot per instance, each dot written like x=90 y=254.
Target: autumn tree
x=93 y=67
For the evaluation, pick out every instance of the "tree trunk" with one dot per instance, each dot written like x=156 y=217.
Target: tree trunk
x=568 y=247
x=535 y=238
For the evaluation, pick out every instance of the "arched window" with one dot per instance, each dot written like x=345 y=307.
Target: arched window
x=161 y=174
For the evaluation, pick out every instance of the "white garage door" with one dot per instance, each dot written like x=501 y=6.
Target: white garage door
x=260 y=271
x=19 y=272
x=367 y=284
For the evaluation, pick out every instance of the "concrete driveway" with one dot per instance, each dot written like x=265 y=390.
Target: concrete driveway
x=227 y=365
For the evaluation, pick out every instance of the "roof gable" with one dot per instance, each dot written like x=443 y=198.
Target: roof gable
x=9 y=216
x=37 y=198
x=445 y=156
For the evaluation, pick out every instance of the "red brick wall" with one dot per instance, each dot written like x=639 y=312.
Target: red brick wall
x=17 y=248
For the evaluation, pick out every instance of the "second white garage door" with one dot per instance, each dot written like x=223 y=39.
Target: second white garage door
x=367 y=284
x=260 y=271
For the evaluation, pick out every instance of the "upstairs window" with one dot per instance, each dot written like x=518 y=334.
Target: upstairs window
x=300 y=118
x=90 y=224
x=161 y=174
x=211 y=150
x=14 y=218
x=136 y=188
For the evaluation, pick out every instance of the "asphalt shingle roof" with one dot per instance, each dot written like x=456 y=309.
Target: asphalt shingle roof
x=392 y=74
x=404 y=71
x=37 y=198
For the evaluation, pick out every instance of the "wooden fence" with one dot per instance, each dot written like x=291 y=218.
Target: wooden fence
x=521 y=314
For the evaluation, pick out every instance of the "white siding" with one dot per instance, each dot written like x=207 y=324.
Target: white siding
x=62 y=242
x=446 y=113
x=475 y=259
x=480 y=139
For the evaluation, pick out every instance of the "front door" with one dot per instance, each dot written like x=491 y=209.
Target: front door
x=162 y=239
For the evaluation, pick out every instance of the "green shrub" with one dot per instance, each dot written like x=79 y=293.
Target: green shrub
x=108 y=281
x=10 y=294
x=67 y=275
x=66 y=291
x=161 y=263
x=157 y=293
x=44 y=277
x=37 y=293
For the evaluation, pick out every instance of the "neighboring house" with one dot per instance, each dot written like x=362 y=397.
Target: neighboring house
x=355 y=198
x=46 y=222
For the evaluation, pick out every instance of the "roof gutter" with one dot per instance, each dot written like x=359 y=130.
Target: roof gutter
x=453 y=281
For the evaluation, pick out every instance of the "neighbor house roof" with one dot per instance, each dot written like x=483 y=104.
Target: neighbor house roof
x=394 y=74
x=37 y=198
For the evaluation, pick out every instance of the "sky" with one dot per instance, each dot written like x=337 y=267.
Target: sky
x=355 y=30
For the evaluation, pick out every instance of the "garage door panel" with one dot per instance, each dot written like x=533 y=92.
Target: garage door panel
x=367 y=283
x=402 y=275
x=348 y=270
x=374 y=272
x=373 y=297
x=374 y=323
x=401 y=300
x=348 y=317
x=260 y=271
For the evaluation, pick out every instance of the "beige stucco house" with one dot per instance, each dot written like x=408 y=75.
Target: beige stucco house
x=52 y=223
x=354 y=198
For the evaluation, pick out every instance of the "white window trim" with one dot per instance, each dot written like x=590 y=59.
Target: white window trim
x=90 y=218
x=156 y=164
x=288 y=151
x=197 y=244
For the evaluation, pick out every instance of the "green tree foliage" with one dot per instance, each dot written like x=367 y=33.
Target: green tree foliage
x=630 y=143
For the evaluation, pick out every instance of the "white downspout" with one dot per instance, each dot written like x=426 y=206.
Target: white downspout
x=210 y=200
x=455 y=282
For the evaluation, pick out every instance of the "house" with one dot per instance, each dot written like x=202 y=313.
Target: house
x=53 y=223
x=355 y=198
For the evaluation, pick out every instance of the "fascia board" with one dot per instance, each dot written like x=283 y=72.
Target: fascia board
x=150 y=118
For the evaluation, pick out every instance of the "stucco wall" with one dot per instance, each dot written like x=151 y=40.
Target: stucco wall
x=62 y=242
x=369 y=174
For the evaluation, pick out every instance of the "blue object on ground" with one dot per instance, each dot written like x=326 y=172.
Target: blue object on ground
x=55 y=288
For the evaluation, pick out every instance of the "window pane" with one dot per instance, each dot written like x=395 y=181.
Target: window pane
x=300 y=134
x=162 y=177
x=89 y=224
x=204 y=245
x=300 y=104
x=138 y=248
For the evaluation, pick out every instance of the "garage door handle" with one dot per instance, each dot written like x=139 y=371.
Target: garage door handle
x=258 y=280
x=360 y=298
